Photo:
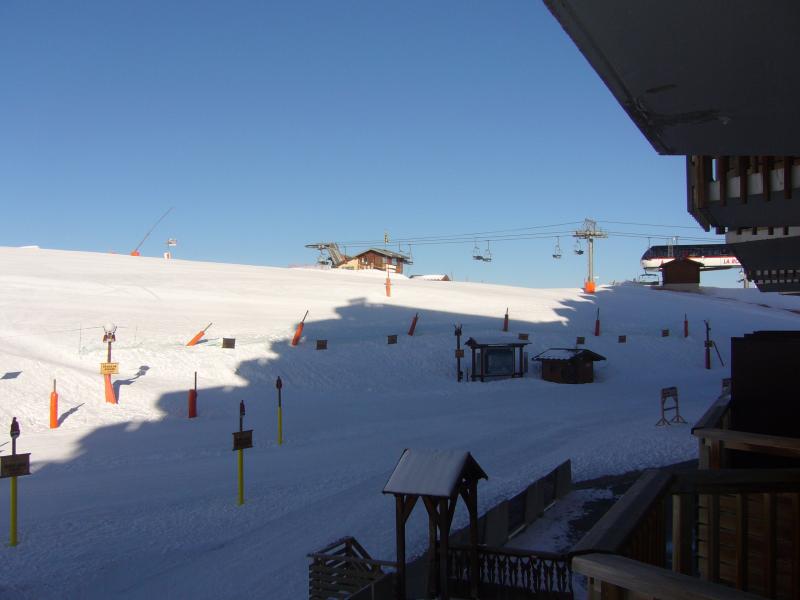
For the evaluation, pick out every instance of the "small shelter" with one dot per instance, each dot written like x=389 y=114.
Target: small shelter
x=681 y=271
x=438 y=477
x=380 y=258
x=497 y=359
x=568 y=365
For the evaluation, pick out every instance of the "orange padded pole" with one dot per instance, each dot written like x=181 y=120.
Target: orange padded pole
x=54 y=407
x=111 y=397
x=299 y=331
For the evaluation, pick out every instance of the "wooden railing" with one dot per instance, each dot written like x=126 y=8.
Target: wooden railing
x=735 y=527
x=508 y=573
x=344 y=569
x=715 y=439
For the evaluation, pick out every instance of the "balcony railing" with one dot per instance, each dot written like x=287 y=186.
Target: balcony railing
x=735 y=529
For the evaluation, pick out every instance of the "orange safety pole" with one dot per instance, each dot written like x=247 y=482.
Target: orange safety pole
x=413 y=324
x=299 y=332
x=388 y=285
x=505 y=321
x=111 y=397
x=54 y=407
x=199 y=336
x=193 y=399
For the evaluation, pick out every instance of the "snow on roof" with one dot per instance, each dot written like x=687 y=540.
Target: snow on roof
x=472 y=342
x=384 y=252
x=431 y=277
x=567 y=354
x=431 y=472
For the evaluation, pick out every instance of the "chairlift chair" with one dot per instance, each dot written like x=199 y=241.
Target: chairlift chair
x=557 y=249
x=578 y=249
x=476 y=252
x=487 y=254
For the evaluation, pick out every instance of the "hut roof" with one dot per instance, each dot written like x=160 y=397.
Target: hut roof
x=384 y=252
x=473 y=343
x=568 y=354
x=435 y=473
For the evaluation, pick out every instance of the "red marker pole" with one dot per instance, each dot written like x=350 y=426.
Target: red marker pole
x=708 y=345
x=193 y=399
x=299 y=332
x=505 y=321
x=685 y=326
x=54 y=407
x=413 y=324
x=597 y=324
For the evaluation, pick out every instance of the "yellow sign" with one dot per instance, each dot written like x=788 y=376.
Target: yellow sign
x=109 y=368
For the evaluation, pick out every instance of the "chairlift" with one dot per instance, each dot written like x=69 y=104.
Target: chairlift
x=476 y=252
x=321 y=260
x=487 y=254
x=557 y=249
x=578 y=249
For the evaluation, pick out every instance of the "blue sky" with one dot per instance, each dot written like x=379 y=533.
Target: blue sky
x=269 y=125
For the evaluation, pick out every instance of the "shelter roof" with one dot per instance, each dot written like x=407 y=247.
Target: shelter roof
x=568 y=354
x=671 y=264
x=435 y=473
x=473 y=343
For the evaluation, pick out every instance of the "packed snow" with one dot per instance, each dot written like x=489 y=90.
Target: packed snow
x=136 y=501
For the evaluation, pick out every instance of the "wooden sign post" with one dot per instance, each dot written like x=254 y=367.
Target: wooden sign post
x=13 y=466
x=666 y=394
x=241 y=440
x=279 y=386
x=108 y=368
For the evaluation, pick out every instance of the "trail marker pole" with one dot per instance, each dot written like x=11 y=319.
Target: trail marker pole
x=597 y=324
x=199 y=335
x=14 y=466
x=54 y=407
x=459 y=353
x=279 y=386
x=388 y=285
x=413 y=324
x=711 y=344
x=685 y=326
x=193 y=399
x=108 y=368
x=299 y=331
x=505 y=321
x=241 y=440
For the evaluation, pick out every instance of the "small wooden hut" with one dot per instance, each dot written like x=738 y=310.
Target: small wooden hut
x=497 y=359
x=568 y=365
x=438 y=477
x=681 y=271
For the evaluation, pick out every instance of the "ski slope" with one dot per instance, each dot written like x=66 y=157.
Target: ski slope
x=136 y=501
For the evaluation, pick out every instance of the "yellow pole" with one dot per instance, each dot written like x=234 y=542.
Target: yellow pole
x=241 y=477
x=13 y=540
x=280 y=426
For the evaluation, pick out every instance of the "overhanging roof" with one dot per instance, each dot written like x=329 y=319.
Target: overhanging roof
x=436 y=473
x=716 y=77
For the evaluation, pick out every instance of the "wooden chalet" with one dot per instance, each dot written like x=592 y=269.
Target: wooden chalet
x=681 y=272
x=568 y=365
x=497 y=359
x=381 y=259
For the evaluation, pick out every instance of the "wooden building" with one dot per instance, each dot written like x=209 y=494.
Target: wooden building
x=497 y=359
x=379 y=258
x=681 y=271
x=568 y=365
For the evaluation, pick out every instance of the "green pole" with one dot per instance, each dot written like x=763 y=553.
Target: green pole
x=13 y=536
x=241 y=477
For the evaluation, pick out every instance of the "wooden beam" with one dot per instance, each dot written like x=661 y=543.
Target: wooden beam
x=444 y=539
x=766 y=177
x=752 y=442
x=683 y=518
x=736 y=481
x=722 y=174
x=788 y=162
x=712 y=560
x=795 y=514
x=741 y=542
x=742 y=163
x=400 y=526
x=770 y=544
x=649 y=581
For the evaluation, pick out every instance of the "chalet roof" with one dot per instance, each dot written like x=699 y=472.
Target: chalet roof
x=671 y=264
x=568 y=354
x=384 y=252
x=473 y=343
x=435 y=473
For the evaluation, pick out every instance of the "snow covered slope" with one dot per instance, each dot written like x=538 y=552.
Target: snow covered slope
x=136 y=501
